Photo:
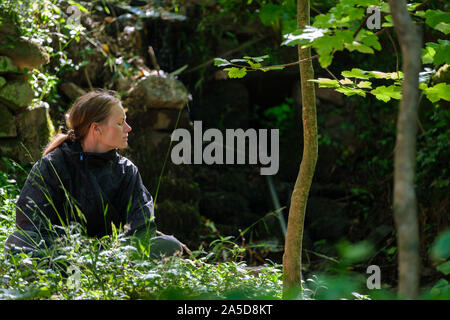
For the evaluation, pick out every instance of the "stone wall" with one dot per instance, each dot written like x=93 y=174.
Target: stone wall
x=24 y=130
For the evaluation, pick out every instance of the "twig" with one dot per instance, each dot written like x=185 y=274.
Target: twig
x=331 y=73
x=151 y=52
x=396 y=52
x=289 y=64
x=159 y=233
x=423 y=4
x=363 y=22
x=87 y=79
x=245 y=45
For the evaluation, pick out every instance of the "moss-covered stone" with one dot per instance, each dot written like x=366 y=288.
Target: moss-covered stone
x=156 y=92
x=7 y=123
x=7 y=66
x=35 y=131
x=24 y=53
x=16 y=94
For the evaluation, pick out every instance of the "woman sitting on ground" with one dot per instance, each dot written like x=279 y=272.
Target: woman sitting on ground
x=82 y=178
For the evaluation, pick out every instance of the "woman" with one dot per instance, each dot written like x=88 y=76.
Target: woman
x=82 y=178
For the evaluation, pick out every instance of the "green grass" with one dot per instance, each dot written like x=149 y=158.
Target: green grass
x=110 y=268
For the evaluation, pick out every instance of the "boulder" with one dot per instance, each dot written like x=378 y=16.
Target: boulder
x=35 y=129
x=71 y=90
x=24 y=53
x=156 y=92
x=7 y=123
x=9 y=148
x=7 y=25
x=162 y=119
x=16 y=94
x=7 y=66
x=330 y=95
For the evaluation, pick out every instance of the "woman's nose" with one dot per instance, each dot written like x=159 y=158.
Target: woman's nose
x=127 y=127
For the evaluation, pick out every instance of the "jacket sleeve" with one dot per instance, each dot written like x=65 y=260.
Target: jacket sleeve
x=37 y=202
x=138 y=203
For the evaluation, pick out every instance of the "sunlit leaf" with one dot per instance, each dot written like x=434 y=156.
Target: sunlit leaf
x=356 y=73
x=236 y=72
x=386 y=93
x=219 y=62
x=438 y=92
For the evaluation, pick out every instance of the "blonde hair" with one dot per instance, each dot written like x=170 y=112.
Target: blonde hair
x=94 y=106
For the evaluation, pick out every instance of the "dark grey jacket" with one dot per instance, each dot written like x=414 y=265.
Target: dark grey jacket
x=94 y=189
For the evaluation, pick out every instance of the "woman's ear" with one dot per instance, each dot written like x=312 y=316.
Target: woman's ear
x=96 y=128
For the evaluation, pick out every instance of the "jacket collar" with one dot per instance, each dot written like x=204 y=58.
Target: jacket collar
x=96 y=159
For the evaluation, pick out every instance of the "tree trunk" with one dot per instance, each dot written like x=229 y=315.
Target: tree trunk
x=292 y=257
x=405 y=203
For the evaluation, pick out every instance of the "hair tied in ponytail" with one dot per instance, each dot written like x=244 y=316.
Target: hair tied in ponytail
x=71 y=135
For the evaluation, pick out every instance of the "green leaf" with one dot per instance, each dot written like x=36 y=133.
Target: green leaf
x=386 y=93
x=270 y=13
x=441 y=51
x=257 y=59
x=303 y=36
x=356 y=73
x=325 y=60
x=369 y=39
x=364 y=85
x=238 y=60
x=272 y=68
x=387 y=75
x=236 y=72
x=444 y=268
x=438 y=20
x=438 y=92
x=358 y=47
x=254 y=65
x=351 y=91
x=428 y=55
x=219 y=62
x=83 y=9
x=326 y=83
x=441 y=246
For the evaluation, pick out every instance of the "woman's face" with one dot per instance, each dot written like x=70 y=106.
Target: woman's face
x=114 y=130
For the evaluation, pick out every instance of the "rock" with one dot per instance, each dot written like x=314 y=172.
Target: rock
x=9 y=148
x=330 y=95
x=16 y=94
x=7 y=66
x=156 y=92
x=7 y=123
x=24 y=53
x=35 y=131
x=71 y=90
x=7 y=25
x=162 y=119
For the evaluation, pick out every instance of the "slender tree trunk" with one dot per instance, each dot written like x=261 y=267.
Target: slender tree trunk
x=405 y=203
x=292 y=257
